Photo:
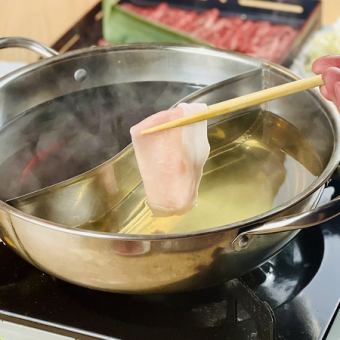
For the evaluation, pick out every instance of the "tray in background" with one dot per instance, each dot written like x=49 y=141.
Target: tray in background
x=88 y=31
x=123 y=26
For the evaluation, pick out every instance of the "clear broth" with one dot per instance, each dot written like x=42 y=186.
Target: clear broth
x=266 y=165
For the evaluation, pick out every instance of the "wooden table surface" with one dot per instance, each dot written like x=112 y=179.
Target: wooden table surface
x=47 y=20
x=42 y=20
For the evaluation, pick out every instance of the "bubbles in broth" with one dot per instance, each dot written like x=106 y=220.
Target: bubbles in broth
x=257 y=162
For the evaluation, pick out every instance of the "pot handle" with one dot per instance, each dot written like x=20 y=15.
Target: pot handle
x=293 y=222
x=29 y=44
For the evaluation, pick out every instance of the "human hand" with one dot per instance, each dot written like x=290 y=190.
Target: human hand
x=329 y=68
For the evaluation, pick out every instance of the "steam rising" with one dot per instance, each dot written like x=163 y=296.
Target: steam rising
x=74 y=133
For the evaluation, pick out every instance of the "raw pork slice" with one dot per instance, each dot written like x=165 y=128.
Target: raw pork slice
x=171 y=161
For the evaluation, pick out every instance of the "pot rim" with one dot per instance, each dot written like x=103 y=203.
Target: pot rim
x=247 y=223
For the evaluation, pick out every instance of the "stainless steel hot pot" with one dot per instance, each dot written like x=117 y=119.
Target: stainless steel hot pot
x=162 y=263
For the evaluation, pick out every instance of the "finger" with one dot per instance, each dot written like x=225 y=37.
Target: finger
x=324 y=92
x=337 y=95
x=330 y=77
x=321 y=64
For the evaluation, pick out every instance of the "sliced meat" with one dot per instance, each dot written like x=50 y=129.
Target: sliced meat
x=171 y=161
x=258 y=38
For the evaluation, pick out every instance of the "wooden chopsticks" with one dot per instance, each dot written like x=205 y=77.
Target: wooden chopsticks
x=242 y=102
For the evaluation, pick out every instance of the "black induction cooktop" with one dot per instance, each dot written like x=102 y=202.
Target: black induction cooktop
x=294 y=295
